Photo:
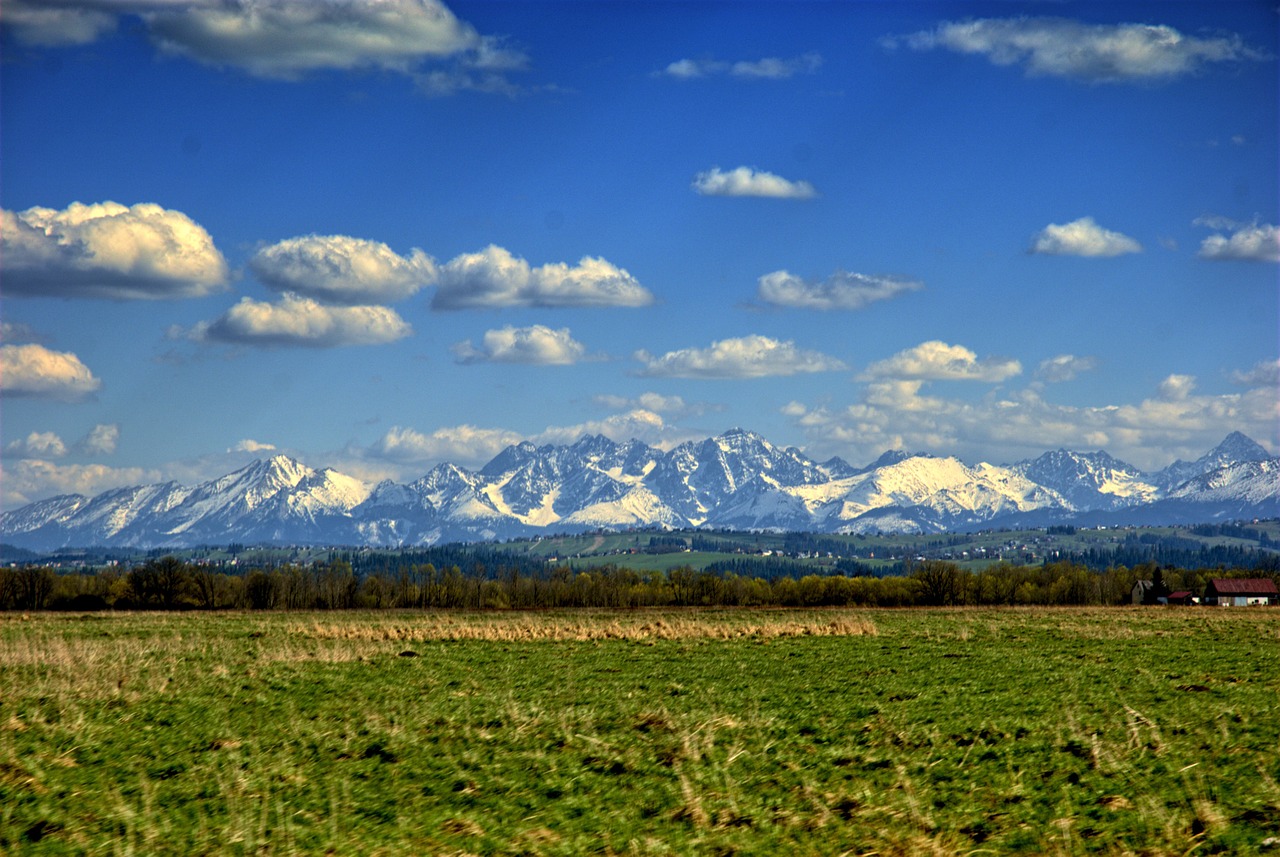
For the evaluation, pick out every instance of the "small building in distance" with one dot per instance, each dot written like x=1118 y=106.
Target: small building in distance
x=1148 y=592
x=1241 y=593
x=1182 y=596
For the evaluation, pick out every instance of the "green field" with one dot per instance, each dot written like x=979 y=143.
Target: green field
x=1072 y=731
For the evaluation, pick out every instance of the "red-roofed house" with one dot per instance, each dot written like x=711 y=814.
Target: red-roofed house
x=1182 y=596
x=1241 y=593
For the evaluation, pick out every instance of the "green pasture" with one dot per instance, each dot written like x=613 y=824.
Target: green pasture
x=1021 y=731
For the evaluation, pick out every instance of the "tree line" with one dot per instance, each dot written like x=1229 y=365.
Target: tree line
x=169 y=583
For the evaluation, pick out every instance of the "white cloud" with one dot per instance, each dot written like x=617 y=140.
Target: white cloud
x=33 y=370
x=536 y=345
x=483 y=70
x=1264 y=374
x=1148 y=434
x=840 y=291
x=1100 y=53
x=101 y=440
x=1249 y=243
x=38 y=24
x=33 y=479
x=938 y=361
x=1217 y=221
x=748 y=181
x=286 y=39
x=38 y=444
x=248 y=445
x=1083 y=237
x=1177 y=388
x=302 y=321
x=752 y=356
x=465 y=445
x=342 y=270
x=767 y=68
x=1064 y=367
x=494 y=278
x=108 y=250
x=655 y=403
x=688 y=69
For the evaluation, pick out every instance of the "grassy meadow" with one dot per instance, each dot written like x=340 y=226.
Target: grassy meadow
x=966 y=731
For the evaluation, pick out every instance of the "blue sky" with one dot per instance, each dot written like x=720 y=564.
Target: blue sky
x=376 y=236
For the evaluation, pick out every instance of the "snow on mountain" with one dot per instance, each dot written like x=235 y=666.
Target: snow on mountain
x=698 y=476
x=1252 y=482
x=946 y=489
x=1089 y=480
x=637 y=507
x=736 y=480
x=49 y=512
x=1236 y=447
x=317 y=495
x=762 y=504
x=223 y=501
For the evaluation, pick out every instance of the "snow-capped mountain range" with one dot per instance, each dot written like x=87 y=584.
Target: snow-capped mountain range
x=737 y=480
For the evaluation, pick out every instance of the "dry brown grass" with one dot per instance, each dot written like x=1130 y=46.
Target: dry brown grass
x=585 y=627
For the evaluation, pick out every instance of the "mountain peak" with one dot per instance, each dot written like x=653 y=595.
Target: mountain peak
x=509 y=459
x=1237 y=447
x=888 y=458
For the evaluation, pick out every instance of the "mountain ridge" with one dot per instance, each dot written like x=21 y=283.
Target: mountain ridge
x=735 y=480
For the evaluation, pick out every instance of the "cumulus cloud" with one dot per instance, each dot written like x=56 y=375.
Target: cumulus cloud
x=286 y=39
x=36 y=371
x=751 y=356
x=1097 y=53
x=536 y=345
x=299 y=321
x=1064 y=367
x=342 y=270
x=1083 y=237
x=767 y=68
x=33 y=479
x=1176 y=388
x=108 y=250
x=38 y=444
x=494 y=278
x=1248 y=243
x=748 y=181
x=1264 y=374
x=841 y=291
x=101 y=440
x=1148 y=434
x=465 y=444
x=938 y=361
x=248 y=445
